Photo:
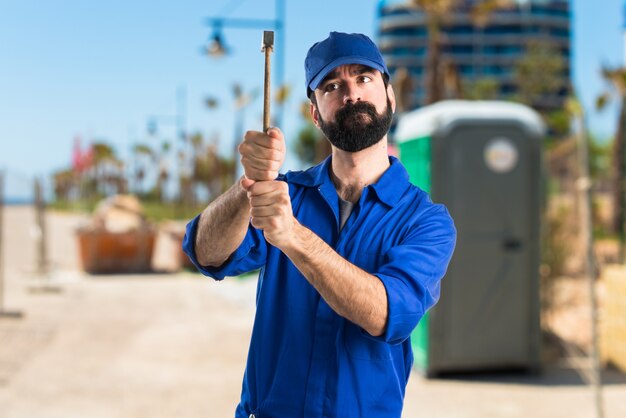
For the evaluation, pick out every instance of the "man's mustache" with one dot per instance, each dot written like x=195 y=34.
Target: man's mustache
x=357 y=107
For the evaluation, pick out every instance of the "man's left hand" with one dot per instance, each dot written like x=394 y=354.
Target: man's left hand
x=270 y=210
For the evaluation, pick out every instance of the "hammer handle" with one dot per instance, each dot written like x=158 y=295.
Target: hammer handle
x=266 y=91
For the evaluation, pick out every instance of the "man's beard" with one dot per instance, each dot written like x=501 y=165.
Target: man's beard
x=357 y=126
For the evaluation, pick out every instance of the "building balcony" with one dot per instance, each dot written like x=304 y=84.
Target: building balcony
x=388 y=41
x=464 y=20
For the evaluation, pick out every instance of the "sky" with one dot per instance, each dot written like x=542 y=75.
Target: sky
x=99 y=70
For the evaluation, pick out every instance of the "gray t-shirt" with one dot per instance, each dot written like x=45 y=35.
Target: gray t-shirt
x=345 y=209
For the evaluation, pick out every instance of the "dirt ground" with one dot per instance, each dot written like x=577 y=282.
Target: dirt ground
x=174 y=345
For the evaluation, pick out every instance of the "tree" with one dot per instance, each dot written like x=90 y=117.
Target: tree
x=164 y=171
x=280 y=98
x=242 y=101
x=600 y=158
x=440 y=76
x=108 y=170
x=403 y=87
x=539 y=73
x=205 y=170
x=64 y=183
x=616 y=79
x=311 y=146
x=144 y=158
x=436 y=12
x=485 y=88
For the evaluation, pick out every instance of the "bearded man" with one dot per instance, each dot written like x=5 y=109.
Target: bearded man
x=351 y=253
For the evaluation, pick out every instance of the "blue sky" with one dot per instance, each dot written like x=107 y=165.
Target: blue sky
x=100 y=69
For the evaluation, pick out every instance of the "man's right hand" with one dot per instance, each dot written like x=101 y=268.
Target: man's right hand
x=262 y=155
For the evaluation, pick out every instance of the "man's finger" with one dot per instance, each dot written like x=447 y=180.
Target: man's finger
x=251 y=149
x=275 y=132
x=246 y=183
x=260 y=175
x=259 y=163
x=262 y=200
x=265 y=222
x=263 y=211
x=268 y=187
x=273 y=141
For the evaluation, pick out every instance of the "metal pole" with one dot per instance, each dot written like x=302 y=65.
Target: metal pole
x=620 y=150
x=181 y=98
x=43 y=266
x=3 y=313
x=1 y=241
x=586 y=225
x=42 y=250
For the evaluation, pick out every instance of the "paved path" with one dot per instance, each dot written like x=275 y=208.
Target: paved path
x=175 y=346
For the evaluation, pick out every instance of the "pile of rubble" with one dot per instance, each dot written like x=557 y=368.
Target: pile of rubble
x=118 y=238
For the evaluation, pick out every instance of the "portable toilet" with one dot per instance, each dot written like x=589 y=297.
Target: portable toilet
x=482 y=159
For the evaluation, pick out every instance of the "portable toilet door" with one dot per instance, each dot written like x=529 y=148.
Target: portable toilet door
x=483 y=161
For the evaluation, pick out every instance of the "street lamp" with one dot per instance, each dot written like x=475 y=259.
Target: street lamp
x=217 y=47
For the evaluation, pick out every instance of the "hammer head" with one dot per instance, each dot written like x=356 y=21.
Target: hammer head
x=268 y=40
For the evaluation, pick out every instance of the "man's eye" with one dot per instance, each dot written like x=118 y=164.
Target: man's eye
x=331 y=86
x=366 y=79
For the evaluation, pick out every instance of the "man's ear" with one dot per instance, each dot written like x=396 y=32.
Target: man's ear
x=314 y=114
x=392 y=97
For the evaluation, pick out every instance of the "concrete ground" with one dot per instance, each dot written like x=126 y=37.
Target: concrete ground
x=174 y=345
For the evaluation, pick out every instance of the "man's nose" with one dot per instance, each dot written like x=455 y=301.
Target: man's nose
x=351 y=93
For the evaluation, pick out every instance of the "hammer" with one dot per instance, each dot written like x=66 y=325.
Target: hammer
x=267 y=46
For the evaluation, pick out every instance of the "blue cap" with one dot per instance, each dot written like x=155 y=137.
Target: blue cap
x=340 y=49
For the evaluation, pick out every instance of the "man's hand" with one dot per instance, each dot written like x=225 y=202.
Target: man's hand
x=262 y=155
x=270 y=210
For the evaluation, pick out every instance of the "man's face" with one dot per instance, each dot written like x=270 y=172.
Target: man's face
x=354 y=109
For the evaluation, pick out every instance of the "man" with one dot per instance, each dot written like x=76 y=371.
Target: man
x=351 y=254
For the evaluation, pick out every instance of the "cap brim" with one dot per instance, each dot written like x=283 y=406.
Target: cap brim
x=346 y=60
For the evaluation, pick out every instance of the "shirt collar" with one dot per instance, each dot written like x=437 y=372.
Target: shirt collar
x=314 y=176
x=389 y=188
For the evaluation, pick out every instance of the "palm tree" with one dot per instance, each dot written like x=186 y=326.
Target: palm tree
x=242 y=101
x=164 y=171
x=482 y=10
x=485 y=88
x=311 y=145
x=64 y=182
x=539 y=73
x=282 y=95
x=106 y=166
x=616 y=78
x=403 y=87
x=143 y=157
x=200 y=170
x=437 y=12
